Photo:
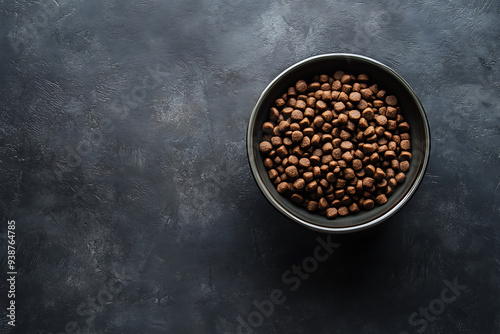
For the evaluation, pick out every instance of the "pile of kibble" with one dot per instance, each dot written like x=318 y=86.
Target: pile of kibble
x=336 y=145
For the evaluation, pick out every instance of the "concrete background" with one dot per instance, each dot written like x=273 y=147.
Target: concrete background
x=123 y=163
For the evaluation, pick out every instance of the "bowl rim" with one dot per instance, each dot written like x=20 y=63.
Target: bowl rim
x=283 y=210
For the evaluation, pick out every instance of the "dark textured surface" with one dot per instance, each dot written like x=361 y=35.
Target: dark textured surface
x=135 y=208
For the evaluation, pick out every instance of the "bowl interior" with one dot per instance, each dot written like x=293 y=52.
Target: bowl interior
x=386 y=79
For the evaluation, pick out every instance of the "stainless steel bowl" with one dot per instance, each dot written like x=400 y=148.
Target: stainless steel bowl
x=387 y=79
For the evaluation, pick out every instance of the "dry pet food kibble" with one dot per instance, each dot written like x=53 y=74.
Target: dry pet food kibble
x=336 y=145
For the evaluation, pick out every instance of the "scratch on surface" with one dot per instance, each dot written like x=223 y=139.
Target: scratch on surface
x=486 y=6
x=498 y=185
x=496 y=260
x=434 y=178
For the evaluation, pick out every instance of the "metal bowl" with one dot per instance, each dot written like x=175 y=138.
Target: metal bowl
x=387 y=79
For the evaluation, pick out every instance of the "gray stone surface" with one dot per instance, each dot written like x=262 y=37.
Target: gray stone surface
x=123 y=163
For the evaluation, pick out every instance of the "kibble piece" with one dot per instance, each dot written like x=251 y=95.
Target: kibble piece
x=355 y=97
x=354 y=208
x=296 y=198
x=400 y=177
x=327 y=148
x=391 y=100
x=346 y=145
x=381 y=120
x=312 y=206
x=404 y=166
x=346 y=78
x=282 y=151
x=404 y=127
x=368 y=204
x=304 y=163
x=339 y=106
x=283 y=187
x=273 y=173
x=354 y=115
x=379 y=174
x=301 y=86
x=311 y=186
x=299 y=184
x=357 y=164
x=265 y=147
x=366 y=93
x=297 y=136
x=305 y=143
x=331 y=213
x=343 y=211
x=292 y=172
x=349 y=173
x=368 y=182
x=405 y=145
x=381 y=199
x=368 y=113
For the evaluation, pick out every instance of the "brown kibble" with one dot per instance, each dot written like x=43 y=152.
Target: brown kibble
x=267 y=127
x=379 y=174
x=297 y=115
x=327 y=148
x=346 y=78
x=381 y=199
x=391 y=100
x=305 y=143
x=405 y=155
x=363 y=77
x=346 y=145
x=273 y=173
x=369 y=131
x=339 y=107
x=355 y=97
x=282 y=151
x=368 y=113
x=331 y=213
x=389 y=155
x=404 y=166
x=276 y=141
x=311 y=186
x=400 y=177
x=404 y=127
x=349 y=173
x=299 y=184
x=366 y=93
x=312 y=206
x=354 y=115
x=265 y=147
x=344 y=135
x=297 y=136
x=343 y=211
x=357 y=164
x=368 y=149
x=304 y=163
x=368 y=204
x=301 y=104
x=343 y=97
x=283 y=187
x=381 y=120
x=301 y=86
x=292 y=172
x=354 y=208
x=405 y=145
x=321 y=105
x=347 y=156
x=368 y=182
